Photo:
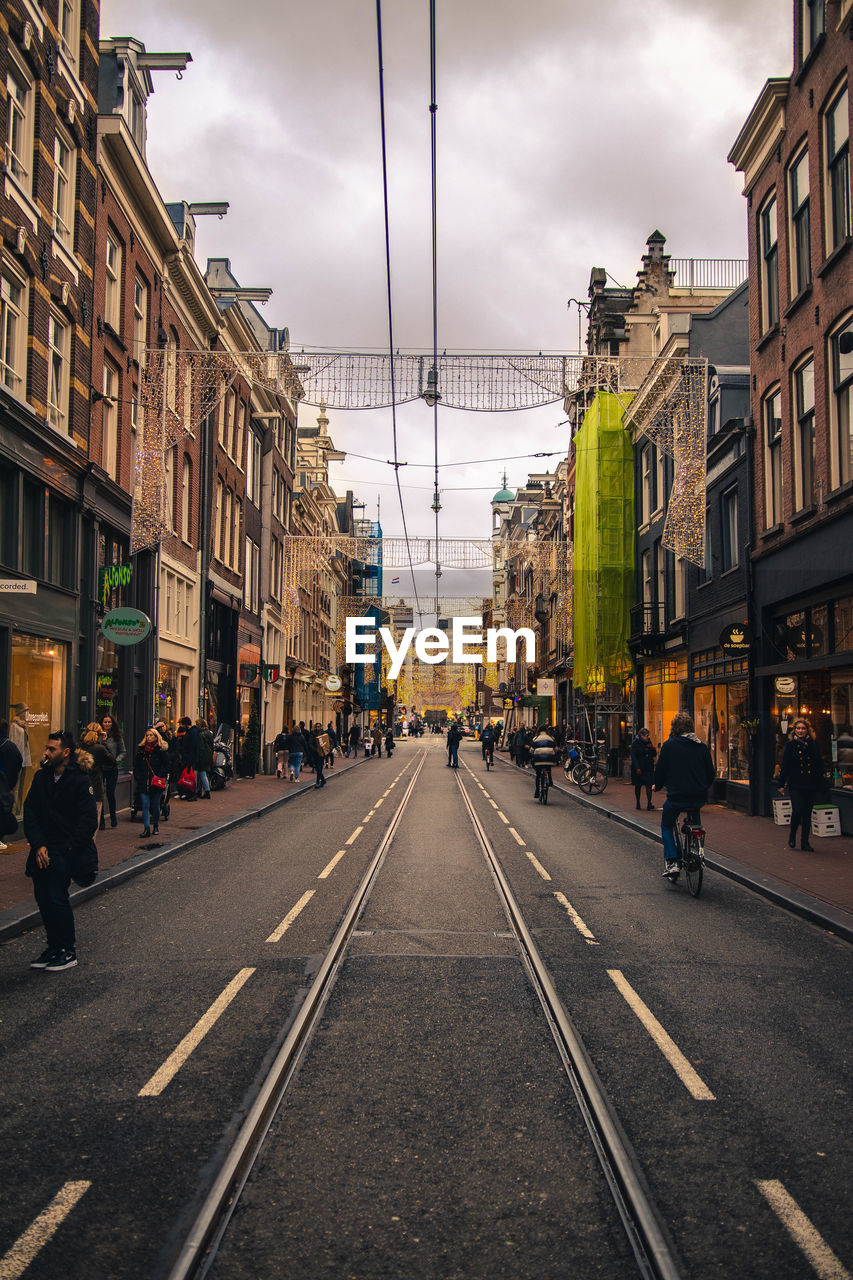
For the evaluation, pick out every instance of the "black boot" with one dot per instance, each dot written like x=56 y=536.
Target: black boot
x=805 y=847
x=146 y=831
x=792 y=836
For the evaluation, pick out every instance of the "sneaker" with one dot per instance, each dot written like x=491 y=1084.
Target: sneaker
x=44 y=959
x=3 y=847
x=61 y=960
x=672 y=870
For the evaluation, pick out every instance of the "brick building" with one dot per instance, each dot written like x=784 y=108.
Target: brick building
x=49 y=77
x=794 y=153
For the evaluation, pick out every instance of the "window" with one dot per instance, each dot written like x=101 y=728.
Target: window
x=236 y=534
x=64 y=161
x=253 y=470
x=769 y=247
x=187 y=396
x=660 y=586
x=170 y=597
x=841 y=344
x=19 y=123
x=251 y=583
x=8 y=517
x=227 y=527
x=706 y=573
x=134 y=437
x=32 y=529
x=645 y=483
x=218 y=513
x=239 y=433
x=13 y=328
x=646 y=562
x=680 y=577
x=136 y=115
x=112 y=294
x=140 y=318
x=812 y=25
x=837 y=151
x=804 y=441
x=713 y=416
x=170 y=460
x=57 y=393
x=69 y=29
x=186 y=500
x=798 y=195
x=171 y=371
x=226 y=419
x=658 y=485
x=61 y=557
x=728 y=529
x=109 y=421
x=772 y=416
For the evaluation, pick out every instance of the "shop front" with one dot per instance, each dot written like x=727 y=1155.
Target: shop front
x=248 y=702
x=664 y=695
x=37 y=700
x=719 y=682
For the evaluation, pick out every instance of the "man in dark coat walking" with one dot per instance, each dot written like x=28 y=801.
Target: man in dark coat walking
x=60 y=820
x=643 y=766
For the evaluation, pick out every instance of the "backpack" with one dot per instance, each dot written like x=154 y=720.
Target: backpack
x=8 y=821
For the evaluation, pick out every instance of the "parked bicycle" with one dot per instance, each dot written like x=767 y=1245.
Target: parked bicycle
x=690 y=847
x=586 y=770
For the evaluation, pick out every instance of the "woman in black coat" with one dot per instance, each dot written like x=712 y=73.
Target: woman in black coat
x=802 y=769
x=151 y=761
x=643 y=766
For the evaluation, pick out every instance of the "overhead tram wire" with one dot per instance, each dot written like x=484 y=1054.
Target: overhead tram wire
x=468 y=462
x=396 y=463
x=433 y=109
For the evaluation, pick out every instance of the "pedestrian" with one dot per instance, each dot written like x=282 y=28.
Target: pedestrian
x=295 y=752
x=205 y=758
x=60 y=819
x=643 y=766
x=19 y=734
x=94 y=741
x=151 y=775
x=389 y=742
x=320 y=750
x=189 y=756
x=454 y=737
x=519 y=743
x=10 y=767
x=279 y=746
x=114 y=743
x=353 y=740
x=802 y=770
x=173 y=753
x=376 y=739
x=333 y=744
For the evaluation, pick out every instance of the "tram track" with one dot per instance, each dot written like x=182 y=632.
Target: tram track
x=200 y=1245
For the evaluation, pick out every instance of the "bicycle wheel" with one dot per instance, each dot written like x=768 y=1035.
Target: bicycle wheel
x=693 y=865
x=579 y=770
x=543 y=788
x=594 y=782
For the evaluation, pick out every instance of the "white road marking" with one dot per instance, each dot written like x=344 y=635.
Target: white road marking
x=386 y=793
x=380 y=801
x=176 y=1060
x=492 y=803
x=503 y=818
x=354 y=835
x=367 y=817
x=516 y=837
x=579 y=924
x=538 y=865
x=802 y=1231
x=16 y=1261
x=327 y=871
x=670 y=1050
x=290 y=917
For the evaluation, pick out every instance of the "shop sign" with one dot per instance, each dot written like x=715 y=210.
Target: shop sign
x=248 y=672
x=111 y=577
x=507 y=704
x=126 y=626
x=18 y=586
x=334 y=684
x=271 y=674
x=786 y=685
x=546 y=688
x=736 y=639
x=105 y=691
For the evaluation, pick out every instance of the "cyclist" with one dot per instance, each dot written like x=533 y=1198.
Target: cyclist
x=685 y=769
x=544 y=750
x=487 y=740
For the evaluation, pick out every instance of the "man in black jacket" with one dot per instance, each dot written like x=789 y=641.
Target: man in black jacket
x=60 y=820
x=686 y=770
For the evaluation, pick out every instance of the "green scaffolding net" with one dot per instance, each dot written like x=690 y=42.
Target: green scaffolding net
x=604 y=546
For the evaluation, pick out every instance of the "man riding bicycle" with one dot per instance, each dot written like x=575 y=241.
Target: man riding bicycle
x=544 y=750
x=487 y=740
x=685 y=769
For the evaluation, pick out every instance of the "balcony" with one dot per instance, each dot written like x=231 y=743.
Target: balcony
x=699 y=274
x=651 y=629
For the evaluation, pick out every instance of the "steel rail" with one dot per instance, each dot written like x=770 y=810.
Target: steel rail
x=200 y=1244
x=645 y=1231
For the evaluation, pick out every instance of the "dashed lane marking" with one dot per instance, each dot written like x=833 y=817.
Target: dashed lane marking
x=380 y=801
x=290 y=917
x=327 y=870
x=580 y=925
x=538 y=865
x=17 y=1259
x=503 y=818
x=802 y=1231
x=354 y=835
x=368 y=816
x=492 y=803
x=670 y=1050
x=176 y=1060
x=516 y=837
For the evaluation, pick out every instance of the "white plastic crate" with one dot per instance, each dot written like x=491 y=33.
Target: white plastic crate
x=826 y=820
x=782 y=813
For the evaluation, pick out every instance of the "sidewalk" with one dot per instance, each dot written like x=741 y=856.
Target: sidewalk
x=753 y=851
x=123 y=853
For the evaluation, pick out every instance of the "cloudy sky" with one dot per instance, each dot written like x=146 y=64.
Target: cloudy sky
x=566 y=133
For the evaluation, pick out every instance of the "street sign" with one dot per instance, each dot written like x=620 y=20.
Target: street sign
x=126 y=626
x=271 y=673
x=18 y=586
x=333 y=684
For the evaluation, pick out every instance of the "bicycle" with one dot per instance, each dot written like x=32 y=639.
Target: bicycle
x=593 y=780
x=489 y=757
x=690 y=847
x=544 y=781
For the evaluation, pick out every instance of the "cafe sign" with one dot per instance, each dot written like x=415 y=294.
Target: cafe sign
x=333 y=684
x=736 y=639
x=126 y=626
x=111 y=577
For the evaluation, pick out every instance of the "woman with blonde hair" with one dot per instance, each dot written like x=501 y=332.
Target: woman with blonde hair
x=802 y=769
x=94 y=740
x=151 y=775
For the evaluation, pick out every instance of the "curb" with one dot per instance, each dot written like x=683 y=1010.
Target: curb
x=833 y=920
x=16 y=920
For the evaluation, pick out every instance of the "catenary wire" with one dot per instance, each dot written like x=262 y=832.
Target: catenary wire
x=433 y=109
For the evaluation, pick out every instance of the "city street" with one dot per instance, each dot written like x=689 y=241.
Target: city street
x=429 y=1127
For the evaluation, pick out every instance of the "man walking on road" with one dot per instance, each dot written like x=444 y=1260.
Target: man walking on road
x=686 y=770
x=353 y=740
x=60 y=820
x=454 y=737
x=376 y=736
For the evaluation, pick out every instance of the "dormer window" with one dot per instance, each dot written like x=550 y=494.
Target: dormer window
x=812 y=25
x=136 y=115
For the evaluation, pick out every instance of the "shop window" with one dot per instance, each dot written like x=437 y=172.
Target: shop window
x=804 y=436
x=737 y=698
x=841 y=348
x=703 y=717
x=818 y=635
x=837 y=172
x=843 y=624
x=32 y=526
x=37 y=700
x=841 y=704
x=800 y=223
x=8 y=518
x=61 y=543
x=772 y=418
x=769 y=249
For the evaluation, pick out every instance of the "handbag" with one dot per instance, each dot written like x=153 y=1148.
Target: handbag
x=159 y=783
x=187 y=781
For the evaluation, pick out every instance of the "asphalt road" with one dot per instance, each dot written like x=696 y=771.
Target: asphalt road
x=430 y=1130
